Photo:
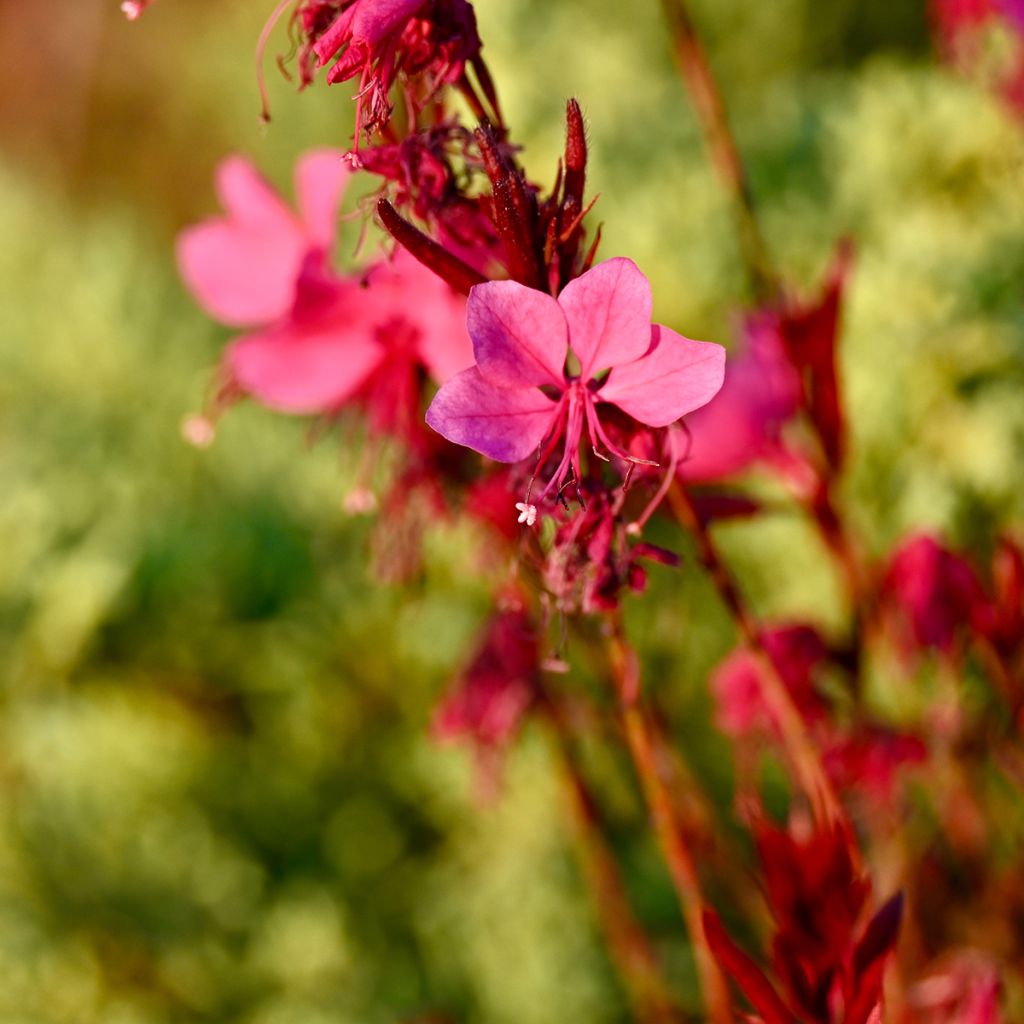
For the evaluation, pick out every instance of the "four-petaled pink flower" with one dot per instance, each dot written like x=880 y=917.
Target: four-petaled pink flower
x=524 y=395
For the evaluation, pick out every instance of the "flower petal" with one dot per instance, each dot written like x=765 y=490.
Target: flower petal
x=505 y=424
x=609 y=314
x=675 y=377
x=320 y=180
x=303 y=368
x=249 y=199
x=242 y=268
x=520 y=337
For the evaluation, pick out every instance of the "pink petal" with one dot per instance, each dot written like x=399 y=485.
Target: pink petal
x=609 y=314
x=304 y=368
x=242 y=268
x=249 y=199
x=241 y=278
x=320 y=179
x=374 y=19
x=505 y=424
x=520 y=337
x=675 y=377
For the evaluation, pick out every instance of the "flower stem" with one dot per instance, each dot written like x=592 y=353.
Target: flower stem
x=643 y=750
x=804 y=757
x=709 y=107
x=628 y=945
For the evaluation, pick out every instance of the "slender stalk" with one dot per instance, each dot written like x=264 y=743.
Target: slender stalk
x=804 y=758
x=643 y=750
x=709 y=107
x=628 y=945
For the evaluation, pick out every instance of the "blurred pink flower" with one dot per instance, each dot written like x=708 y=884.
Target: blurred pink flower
x=319 y=339
x=520 y=398
x=796 y=651
x=931 y=594
x=962 y=989
x=243 y=267
x=133 y=8
x=490 y=700
x=868 y=763
x=373 y=330
x=742 y=423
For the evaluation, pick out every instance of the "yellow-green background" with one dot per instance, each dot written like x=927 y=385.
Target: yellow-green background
x=217 y=799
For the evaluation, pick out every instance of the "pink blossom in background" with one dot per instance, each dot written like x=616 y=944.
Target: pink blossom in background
x=961 y=989
x=133 y=8
x=320 y=339
x=386 y=323
x=520 y=398
x=931 y=594
x=243 y=267
x=742 y=424
x=868 y=764
x=489 y=702
x=796 y=651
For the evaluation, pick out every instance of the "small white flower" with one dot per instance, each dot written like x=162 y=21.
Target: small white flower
x=527 y=513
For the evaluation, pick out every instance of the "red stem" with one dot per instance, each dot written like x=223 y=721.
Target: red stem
x=804 y=757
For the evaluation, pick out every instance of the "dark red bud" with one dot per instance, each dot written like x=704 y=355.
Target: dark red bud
x=435 y=257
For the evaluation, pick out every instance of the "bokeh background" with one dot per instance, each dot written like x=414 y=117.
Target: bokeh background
x=219 y=801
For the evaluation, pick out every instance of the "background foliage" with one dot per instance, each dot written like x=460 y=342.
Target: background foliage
x=218 y=797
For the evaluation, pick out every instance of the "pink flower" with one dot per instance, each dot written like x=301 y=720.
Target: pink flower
x=931 y=593
x=742 y=423
x=373 y=330
x=243 y=267
x=319 y=339
x=522 y=398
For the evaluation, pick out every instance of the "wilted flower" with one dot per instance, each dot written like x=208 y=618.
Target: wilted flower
x=375 y=40
x=594 y=557
x=523 y=396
